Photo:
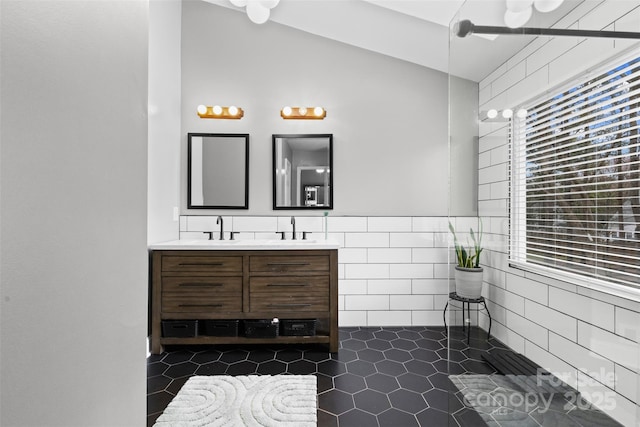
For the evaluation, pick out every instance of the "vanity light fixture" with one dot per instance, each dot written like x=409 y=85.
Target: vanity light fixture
x=494 y=115
x=218 y=112
x=308 y=113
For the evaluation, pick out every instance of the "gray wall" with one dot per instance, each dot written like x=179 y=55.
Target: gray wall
x=463 y=147
x=164 y=119
x=73 y=187
x=388 y=117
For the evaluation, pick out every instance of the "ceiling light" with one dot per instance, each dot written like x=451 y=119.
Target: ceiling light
x=517 y=6
x=507 y=113
x=258 y=11
x=492 y=113
x=522 y=113
x=547 y=5
x=269 y=4
x=516 y=20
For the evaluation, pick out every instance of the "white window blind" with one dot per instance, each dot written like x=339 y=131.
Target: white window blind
x=575 y=204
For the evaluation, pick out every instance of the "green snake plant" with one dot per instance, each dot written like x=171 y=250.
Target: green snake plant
x=468 y=258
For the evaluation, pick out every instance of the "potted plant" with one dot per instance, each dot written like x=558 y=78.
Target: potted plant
x=468 y=273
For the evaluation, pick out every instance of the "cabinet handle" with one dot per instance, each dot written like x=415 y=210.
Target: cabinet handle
x=290 y=305
x=201 y=285
x=201 y=305
x=274 y=264
x=213 y=264
x=288 y=284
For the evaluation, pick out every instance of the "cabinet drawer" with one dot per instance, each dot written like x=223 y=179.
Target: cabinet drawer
x=290 y=285
x=281 y=304
x=172 y=303
x=213 y=264
x=287 y=264
x=203 y=285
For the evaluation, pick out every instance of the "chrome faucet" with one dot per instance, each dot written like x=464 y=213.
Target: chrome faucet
x=221 y=222
x=293 y=222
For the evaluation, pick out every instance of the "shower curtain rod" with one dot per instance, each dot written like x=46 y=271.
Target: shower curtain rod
x=465 y=27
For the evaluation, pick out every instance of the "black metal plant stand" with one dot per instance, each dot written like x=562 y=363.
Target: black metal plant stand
x=466 y=302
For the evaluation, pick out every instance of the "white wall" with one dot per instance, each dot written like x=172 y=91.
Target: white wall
x=73 y=184
x=388 y=117
x=587 y=337
x=165 y=18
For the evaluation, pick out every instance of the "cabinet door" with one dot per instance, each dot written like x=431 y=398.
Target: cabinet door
x=289 y=264
x=202 y=285
x=189 y=304
x=201 y=294
x=210 y=264
x=289 y=293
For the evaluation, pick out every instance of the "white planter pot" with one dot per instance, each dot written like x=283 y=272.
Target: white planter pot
x=469 y=282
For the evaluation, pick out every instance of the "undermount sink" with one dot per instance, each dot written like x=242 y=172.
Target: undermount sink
x=259 y=242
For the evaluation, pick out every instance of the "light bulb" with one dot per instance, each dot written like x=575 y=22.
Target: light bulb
x=217 y=110
x=522 y=113
x=516 y=20
x=319 y=170
x=286 y=111
x=492 y=113
x=302 y=111
x=547 y=5
x=233 y=110
x=257 y=13
x=507 y=113
x=517 y=6
x=318 y=111
x=269 y=4
x=202 y=109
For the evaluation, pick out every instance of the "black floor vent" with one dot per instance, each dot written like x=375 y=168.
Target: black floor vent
x=508 y=362
x=525 y=374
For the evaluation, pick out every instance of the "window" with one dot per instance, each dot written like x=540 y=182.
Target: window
x=575 y=204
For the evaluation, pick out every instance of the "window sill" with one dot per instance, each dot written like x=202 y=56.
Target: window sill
x=620 y=291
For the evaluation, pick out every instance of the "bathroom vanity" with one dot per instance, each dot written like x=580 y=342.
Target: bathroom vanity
x=201 y=283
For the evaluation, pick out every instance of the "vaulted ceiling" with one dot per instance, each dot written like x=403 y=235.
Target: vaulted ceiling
x=413 y=30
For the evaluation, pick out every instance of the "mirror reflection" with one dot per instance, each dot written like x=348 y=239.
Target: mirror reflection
x=303 y=171
x=218 y=171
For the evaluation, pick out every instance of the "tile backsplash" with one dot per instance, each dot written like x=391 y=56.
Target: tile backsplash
x=393 y=271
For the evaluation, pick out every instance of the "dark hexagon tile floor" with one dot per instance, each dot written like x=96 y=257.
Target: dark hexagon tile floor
x=396 y=377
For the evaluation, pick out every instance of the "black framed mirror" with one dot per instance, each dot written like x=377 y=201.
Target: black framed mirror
x=218 y=171
x=303 y=171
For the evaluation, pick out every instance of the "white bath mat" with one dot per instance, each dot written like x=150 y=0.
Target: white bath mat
x=253 y=400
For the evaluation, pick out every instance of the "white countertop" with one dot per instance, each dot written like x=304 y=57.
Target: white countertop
x=245 y=245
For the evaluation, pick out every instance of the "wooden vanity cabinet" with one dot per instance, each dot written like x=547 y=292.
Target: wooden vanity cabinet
x=242 y=285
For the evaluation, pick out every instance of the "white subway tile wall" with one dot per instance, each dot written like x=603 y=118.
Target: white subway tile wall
x=393 y=271
x=588 y=338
